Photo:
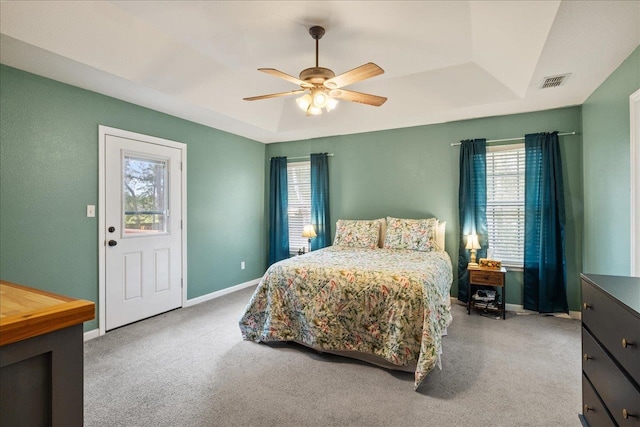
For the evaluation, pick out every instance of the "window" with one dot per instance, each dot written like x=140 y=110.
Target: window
x=299 y=210
x=145 y=193
x=505 y=203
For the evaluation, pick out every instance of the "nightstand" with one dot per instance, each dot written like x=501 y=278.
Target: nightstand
x=487 y=277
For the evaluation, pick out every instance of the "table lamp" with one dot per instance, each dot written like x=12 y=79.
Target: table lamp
x=309 y=232
x=473 y=245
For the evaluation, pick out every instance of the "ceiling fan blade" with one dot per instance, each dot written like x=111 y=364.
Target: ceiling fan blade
x=274 y=95
x=360 y=73
x=362 y=98
x=285 y=76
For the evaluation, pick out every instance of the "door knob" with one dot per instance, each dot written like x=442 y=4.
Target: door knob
x=112 y=243
x=626 y=343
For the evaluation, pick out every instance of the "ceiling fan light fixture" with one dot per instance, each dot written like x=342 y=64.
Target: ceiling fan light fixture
x=331 y=104
x=320 y=98
x=313 y=103
x=304 y=102
x=314 y=110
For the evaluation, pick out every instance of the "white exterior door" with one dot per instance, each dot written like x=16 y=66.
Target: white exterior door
x=143 y=233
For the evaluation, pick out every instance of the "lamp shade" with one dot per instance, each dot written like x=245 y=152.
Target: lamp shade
x=331 y=104
x=472 y=242
x=304 y=102
x=308 y=231
x=320 y=98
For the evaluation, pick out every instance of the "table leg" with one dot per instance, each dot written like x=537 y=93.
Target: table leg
x=504 y=302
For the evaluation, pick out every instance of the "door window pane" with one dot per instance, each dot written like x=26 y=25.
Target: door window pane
x=145 y=195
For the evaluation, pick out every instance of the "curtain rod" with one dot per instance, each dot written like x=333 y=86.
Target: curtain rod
x=453 y=144
x=304 y=157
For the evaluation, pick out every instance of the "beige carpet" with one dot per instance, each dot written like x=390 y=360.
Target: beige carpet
x=190 y=367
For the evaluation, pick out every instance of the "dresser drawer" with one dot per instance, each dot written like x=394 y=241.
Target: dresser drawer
x=616 y=391
x=613 y=325
x=494 y=278
x=593 y=410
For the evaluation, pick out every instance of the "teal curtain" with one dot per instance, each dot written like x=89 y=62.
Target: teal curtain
x=545 y=273
x=278 y=216
x=320 y=200
x=472 y=204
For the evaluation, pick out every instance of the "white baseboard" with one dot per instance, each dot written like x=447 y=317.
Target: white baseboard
x=89 y=335
x=222 y=292
x=95 y=333
x=519 y=308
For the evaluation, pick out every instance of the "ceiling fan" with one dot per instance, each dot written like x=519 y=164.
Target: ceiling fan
x=321 y=87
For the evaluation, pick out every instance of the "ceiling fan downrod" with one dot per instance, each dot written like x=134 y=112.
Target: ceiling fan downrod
x=316 y=32
x=317 y=75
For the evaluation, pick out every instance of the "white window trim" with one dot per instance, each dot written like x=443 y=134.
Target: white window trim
x=634 y=111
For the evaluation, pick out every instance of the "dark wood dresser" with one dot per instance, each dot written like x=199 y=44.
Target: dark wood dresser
x=610 y=350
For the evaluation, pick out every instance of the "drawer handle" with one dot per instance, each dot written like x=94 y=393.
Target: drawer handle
x=587 y=357
x=586 y=306
x=626 y=343
x=587 y=408
x=626 y=414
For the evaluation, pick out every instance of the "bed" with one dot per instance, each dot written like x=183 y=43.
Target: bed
x=386 y=305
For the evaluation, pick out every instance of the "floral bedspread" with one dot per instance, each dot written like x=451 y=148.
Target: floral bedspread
x=385 y=302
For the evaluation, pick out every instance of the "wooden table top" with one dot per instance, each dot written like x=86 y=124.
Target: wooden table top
x=28 y=312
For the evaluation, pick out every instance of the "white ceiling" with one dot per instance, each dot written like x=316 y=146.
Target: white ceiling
x=443 y=60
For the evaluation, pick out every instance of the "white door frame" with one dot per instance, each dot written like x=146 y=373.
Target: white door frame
x=103 y=131
x=634 y=110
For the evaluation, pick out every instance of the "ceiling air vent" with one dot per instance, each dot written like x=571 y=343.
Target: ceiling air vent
x=554 y=81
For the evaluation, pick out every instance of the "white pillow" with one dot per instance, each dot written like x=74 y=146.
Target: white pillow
x=440 y=232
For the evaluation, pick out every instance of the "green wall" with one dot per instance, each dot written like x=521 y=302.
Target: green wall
x=606 y=139
x=49 y=173
x=413 y=173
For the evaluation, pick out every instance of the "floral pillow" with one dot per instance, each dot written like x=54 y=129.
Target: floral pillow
x=413 y=234
x=357 y=233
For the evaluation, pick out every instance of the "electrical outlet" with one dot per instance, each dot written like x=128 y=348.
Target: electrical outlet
x=242 y=265
x=91 y=211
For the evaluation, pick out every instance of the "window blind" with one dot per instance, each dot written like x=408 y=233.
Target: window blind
x=505 y=203
x=299 y=209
